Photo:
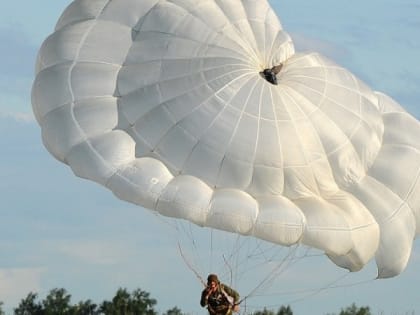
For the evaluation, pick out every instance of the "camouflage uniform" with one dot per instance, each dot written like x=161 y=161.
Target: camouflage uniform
x=217 y=303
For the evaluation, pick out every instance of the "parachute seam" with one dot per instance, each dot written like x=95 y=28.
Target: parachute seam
x=318 y=109
x=186 y=76
x=113 y=168
x=360 y=123
x=72 y=103
x=255 y=48
x=60 y=105
x=298 y=135
x=288 y=43
x=234 y=133
x=396 y=210
x=337 y=85
x=244 y=57
x=274 y=50
x=355 y=129
x=280 y=146
x=196 y=108
x=243 y=44
x=350 y=227
x=155 y=195
x=205 y=83
x=64 y=63
x=401 y=145
x=254 y=154
x=357 y=92
x=136 y=28
x=266 y=51
x=188 y=59
x=177 y=123
x=141 y=88
x=248 y=219
x=360 y=118
x=226 y=104
x=410 y=190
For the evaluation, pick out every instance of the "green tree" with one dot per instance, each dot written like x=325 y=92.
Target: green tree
x=85 y=308
x=264 y=312
x=119 y=304
x=285 y=310
x=1 y=308
x=57 y=302
x=124 y=303
x=354 y=310
x=173 y=311
x=29 y=306
x=143 y=303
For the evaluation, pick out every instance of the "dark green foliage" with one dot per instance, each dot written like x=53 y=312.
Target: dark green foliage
x=264 y=312
x=85 y=308
x=173 y=311
x=58 y=302
x=29 y=306
x=354 y=310
x=124 y=303
x=138 y=302
x=283 y=310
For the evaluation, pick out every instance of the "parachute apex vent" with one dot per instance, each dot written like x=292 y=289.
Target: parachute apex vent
x=271 y=74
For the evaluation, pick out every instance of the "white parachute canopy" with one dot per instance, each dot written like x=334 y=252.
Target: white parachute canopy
x=165 y=104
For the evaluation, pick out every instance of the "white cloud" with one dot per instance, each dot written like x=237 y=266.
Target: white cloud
x=93 y=252
x=18 y=116
x=16 y=283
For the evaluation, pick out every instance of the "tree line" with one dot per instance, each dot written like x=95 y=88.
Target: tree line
x=137 y=302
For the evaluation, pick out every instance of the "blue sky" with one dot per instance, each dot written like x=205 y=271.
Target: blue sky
x=57 y=230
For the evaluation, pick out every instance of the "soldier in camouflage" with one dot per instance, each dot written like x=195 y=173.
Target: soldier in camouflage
x=219 y=298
